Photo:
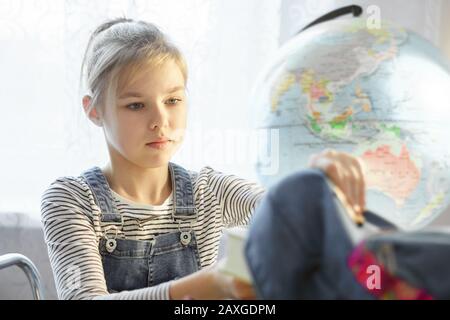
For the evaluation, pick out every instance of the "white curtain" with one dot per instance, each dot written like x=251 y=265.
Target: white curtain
x=429 y=18
x=43 y=131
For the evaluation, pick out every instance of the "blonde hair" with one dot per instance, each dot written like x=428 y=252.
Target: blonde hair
x=121 y=43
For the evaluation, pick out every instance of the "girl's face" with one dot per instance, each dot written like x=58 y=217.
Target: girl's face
x=150 y=107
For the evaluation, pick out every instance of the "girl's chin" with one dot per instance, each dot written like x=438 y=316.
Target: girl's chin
x=156 y=159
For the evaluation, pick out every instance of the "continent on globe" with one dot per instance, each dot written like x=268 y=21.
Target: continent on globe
x=286 y=82
x=395 y=175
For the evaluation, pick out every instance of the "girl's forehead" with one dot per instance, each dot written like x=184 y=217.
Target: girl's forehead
x=141 y=74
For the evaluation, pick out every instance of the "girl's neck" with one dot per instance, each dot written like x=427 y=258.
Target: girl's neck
x=147 y=186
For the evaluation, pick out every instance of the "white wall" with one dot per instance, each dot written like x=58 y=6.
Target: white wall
x=444 y=40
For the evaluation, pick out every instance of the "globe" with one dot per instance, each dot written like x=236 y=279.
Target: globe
x=381 y=94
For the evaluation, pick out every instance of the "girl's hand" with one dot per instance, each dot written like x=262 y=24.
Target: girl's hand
x=346 y=172
x=231 y=287
x=210 y=283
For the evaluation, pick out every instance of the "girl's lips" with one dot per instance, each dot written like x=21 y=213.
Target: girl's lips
x=158 y=144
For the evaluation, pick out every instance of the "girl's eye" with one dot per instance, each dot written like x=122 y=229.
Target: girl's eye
x=173 y=101
x=135 y=106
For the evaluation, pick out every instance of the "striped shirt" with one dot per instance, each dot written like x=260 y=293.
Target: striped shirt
x=73 y=228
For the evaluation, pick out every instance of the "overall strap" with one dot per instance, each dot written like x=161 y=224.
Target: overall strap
x=102 y=194
x=183 y=192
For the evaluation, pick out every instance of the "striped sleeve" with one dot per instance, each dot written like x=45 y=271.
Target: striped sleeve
x=72 y=244
x=238 y=197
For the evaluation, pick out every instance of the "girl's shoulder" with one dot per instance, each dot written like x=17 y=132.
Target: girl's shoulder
x=205 y=171
x=70 y=183
x=203 y=175
x=211 y=173
x=68 y=191
x=214 y=179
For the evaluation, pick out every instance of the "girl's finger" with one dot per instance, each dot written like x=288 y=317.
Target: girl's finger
x=362 y=192
x=349 y=185
x=356 y=189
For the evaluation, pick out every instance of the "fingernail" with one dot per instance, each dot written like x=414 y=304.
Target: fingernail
x=359 y=217
x=357 y=208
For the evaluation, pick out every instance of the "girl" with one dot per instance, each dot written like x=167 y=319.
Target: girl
x=143 y=227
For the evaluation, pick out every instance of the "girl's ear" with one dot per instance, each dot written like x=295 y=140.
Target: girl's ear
x=92 y=114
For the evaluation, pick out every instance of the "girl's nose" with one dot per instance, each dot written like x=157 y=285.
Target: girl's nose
x=158 y=116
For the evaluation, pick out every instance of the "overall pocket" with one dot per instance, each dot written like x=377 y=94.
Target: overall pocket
x=126 y=268
x=170 y=259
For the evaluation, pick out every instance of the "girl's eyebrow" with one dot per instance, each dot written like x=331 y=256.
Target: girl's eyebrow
x=175 y=89
x=130 y=95
x=138 y=95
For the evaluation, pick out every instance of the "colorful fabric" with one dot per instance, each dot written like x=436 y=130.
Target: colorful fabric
x=364 y=264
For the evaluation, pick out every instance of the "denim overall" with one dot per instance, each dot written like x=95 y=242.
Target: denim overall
x=134 y=264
